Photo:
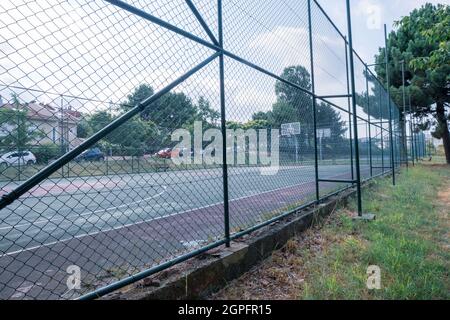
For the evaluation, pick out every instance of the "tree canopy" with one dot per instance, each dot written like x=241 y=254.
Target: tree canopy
x=375 y=103
x=151 y=129
x=176 y=110
x=21 y=134
x=294 y=105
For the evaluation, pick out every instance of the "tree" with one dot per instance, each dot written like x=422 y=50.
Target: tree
x=422 y=40
x=20 y=135
x=206 y=113
x=256 y=125
x=171 y=111
x=329 y=118
x=292 y=105
x=287 y=93
x=295 y=105
x=83 y=129
x=98 y=121
x=285 y=112
x=234 y=125
x=265 y=116
x=291 y=97
x=133 y=137
x=377 y=104
x=47 y=151
x=139 y=94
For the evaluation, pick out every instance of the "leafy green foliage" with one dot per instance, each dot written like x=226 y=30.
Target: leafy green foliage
x=20 y=135
x=294 y=105
x=422 y=41
x=133 y=137
x=150 y=131
x=46 y=152
x=376 y=104
x=207 y=114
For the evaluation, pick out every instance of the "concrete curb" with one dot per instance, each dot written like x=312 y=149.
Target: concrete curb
x=209 y=272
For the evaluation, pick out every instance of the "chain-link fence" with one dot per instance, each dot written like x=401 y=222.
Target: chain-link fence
x=137 y=134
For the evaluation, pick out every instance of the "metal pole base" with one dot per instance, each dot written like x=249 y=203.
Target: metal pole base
x=365 y=217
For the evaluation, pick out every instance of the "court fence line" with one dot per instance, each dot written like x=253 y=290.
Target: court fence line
x=61 y=209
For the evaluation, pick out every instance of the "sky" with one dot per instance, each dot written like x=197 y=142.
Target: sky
x=88 y=53
x=368 y=17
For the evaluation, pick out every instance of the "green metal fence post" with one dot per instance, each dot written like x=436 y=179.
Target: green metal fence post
x=19 y=149
x=368 y=119
x=405 y=142
x=411 y=138
x=419 y=151
x=314 y=102
x=419 y=142
x=422 y=144
x=349 y=110
x=355 y=119
x=223 y=128
x=416 y=153
x=391 y=143
x=381 y=126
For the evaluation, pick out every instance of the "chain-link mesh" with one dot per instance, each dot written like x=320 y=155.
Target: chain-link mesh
x=97 y=96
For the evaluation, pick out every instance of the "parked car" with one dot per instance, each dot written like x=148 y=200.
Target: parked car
x=169 y=153
x=15 y=158
x=94 y=154
x=164 y=153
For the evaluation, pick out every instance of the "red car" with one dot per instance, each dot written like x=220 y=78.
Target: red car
x=164 y=153
x=169 y=153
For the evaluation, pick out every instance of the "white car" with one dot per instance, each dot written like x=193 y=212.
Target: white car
x=15 y=158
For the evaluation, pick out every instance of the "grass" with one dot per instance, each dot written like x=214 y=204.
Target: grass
x=408 y=241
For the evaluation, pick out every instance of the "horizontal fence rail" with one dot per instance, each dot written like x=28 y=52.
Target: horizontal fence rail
x=135 y=135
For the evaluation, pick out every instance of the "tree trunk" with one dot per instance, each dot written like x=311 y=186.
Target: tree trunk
x=442 y=120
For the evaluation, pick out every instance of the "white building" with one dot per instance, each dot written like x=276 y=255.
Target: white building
x=53 y=125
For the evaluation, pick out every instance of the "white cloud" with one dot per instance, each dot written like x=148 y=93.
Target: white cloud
x=92 y=50
x=272 y=38
x=88 y=49
x=367 y=40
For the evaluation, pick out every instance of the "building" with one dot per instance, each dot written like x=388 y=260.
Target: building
x=52 y=124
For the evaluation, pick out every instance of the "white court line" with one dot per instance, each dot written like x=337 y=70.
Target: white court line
x=85 y=213
x=142 y=222
x=148 y=220
x=111 y=208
